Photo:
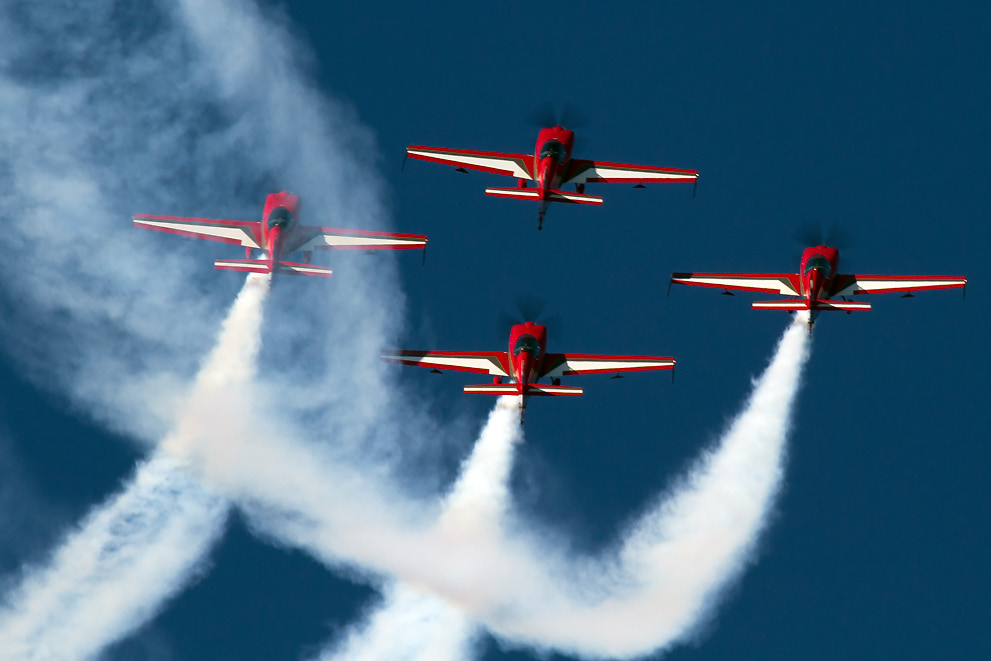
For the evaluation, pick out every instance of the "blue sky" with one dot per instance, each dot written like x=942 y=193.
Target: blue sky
x=870 y=117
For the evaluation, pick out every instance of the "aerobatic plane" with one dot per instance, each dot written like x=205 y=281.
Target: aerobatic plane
x=818 y=285
x=278 y=234
x=525 y=363
x=552 y=167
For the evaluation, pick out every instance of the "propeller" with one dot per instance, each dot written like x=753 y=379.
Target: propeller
x=815 y=233
x=570 y=117
x=529 y=308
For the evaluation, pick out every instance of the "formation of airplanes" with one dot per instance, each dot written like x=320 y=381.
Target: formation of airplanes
x=817 y=286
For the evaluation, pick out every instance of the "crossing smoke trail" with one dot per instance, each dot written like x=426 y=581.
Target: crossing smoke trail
x=672 y=565
x=417 y=626
x=130 y=555
x=660 y=579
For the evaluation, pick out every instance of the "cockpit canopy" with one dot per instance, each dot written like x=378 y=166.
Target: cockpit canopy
x=280 y=217
x=818 y=262
x=527 y=343
x=554 y=149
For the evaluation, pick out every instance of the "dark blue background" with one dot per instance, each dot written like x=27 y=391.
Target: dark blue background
x=872 y=117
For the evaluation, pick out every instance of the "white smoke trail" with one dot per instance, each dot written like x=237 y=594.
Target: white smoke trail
x=410 y=625
x=649 y=592
x=672 y=565
x=130 y=555
x=407 y=625
x=113 y=573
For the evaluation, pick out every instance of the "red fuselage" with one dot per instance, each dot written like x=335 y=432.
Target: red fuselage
x=280 y=218
x=817 y=270
x=527 y=344
x=551 y=157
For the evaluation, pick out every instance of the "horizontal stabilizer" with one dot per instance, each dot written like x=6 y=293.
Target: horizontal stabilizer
x=293 y=268
x=553 y=391
x=801 y=304
x=846 y=306
x=529 y=389
x=261 y=266
x=535 y=194
x=247 y=265
x=493 y=389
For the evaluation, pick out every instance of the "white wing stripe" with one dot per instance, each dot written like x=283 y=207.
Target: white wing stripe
x=870 y=285
x=239 y=234
x=490 y=365
x=611 y=365
x=781 y=284
x=621 y=173
x=348 y=240
x=482 y=161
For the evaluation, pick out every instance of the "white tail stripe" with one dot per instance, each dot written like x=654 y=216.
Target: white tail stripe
x=522 y=193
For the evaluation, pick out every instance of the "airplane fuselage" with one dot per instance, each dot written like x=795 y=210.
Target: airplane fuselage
x=817 y=269
x=280 y=218
x=551 y=158
x=527 y=345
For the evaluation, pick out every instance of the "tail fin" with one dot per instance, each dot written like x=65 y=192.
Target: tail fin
x=796 y=304
x=261 y=266
x=535 y=194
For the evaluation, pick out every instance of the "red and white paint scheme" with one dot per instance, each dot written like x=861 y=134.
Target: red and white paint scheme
x=551 y=166
x=278 y=234
x=525 y=363
x=818 y=284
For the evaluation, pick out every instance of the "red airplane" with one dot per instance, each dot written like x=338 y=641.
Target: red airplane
x=552 y=167
x=525 y=363
x=278 y=234
x=817 y=284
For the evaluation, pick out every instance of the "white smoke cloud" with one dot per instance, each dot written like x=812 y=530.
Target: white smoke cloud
x=414 y=625
x=131 y=554
x=407 y=625
x=113 y=573
x=658 y=581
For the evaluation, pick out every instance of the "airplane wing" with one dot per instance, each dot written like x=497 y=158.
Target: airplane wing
x=772 y=283
x=242 y=232
x=877 y=284
x=513 y=165
x=560 y=364
x=480 y=362
x=595 y=171
x=308 y=238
